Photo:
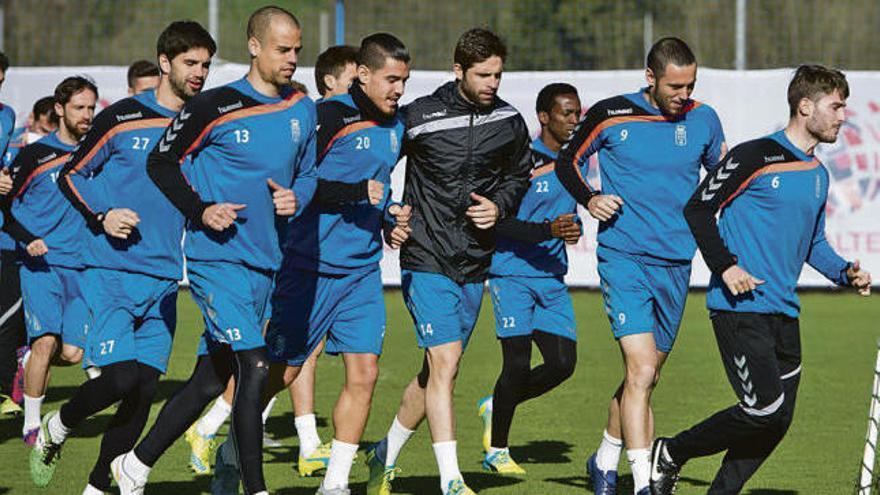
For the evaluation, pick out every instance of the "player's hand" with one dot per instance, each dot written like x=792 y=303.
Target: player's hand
x=5 y=181
x=37 y=248
x=283 y=198
x=120 y=222
x=375 y=191
x=220 y=216
x=604 y=206
x=860 y=279
x=397 y=236
x=401 y=214
x=739 y=281
x=564 y=227
x=484 y=214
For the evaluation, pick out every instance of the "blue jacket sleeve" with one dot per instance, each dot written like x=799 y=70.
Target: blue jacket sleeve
x=586 y=140
x=717 y=147
x=824 y=258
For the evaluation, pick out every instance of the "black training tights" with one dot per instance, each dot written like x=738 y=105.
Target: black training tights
x=126 y=425
x=518 y=382
x=208 y=380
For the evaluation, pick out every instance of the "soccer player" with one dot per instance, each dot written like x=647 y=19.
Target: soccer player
x=526 y=282
x=12 y=332
x=651 y=146
x=142 y=75
x=468 y=165
x=132 y=255
x=247 y=141
x=335 y=70
x=44 y=120
x=771 y=193
x=48 y=228
x=330 y=285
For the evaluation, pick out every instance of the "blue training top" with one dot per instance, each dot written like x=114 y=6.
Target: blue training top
x=237 y=139
x=109 y=170
x=543 y=202
x=652 y=161
x=340 y=231
x=40 y=208
x=772 y=201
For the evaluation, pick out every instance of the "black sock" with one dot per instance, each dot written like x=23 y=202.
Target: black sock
x=208 y=380
x=93 y=396
x=126 y=425
x=251 y=369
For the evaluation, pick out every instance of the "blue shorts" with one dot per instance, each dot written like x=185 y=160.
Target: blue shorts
x=347 y=309
x=524 y=304
x=641 y=297
x=133 y=318
x=443 y=311
x=234 y=300
x=53 y=302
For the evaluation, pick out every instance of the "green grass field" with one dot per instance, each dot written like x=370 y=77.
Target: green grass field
x=552 y=435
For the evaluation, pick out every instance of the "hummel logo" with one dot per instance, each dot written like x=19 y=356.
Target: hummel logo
x=46 y=158
x=129 y=116
x=620 y=111
x=229 y=108
x=749 y=397
x=349 y=120
x=774 y=158
x=715 y=182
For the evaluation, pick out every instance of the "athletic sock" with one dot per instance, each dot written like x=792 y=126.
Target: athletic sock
x=133 y=466
x=32 y=407
x=211 y=422
x=608 y=454
x=397 y=437
x=341 y=458
x=447 y=461
x=57 y=430
x=640 y=465
x=493 y=450
x=91 y=490
x=267 y=411
x=307 y=431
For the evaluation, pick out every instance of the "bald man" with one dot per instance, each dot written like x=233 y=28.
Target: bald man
x=251 y=143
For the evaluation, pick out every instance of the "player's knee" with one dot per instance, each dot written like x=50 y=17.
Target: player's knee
x=444 y=365
x=563 y=367
x=71 y=354
x=253 y=369
x=45 y=346
x=641 y=376
x=364 y=377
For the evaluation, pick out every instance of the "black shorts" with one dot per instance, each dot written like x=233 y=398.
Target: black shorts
x=759 y=352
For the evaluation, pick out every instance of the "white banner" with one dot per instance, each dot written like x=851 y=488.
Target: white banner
x=750 y=104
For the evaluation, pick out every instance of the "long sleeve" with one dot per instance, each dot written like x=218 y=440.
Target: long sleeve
x=86 y=160
x=717 y=189
x=585 y=141
x=515 y=179
x=823 y=257
x=520 y=230
x=305 y=180
x=187 y=133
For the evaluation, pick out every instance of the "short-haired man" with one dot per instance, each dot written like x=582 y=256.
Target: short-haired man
x=48 y=228
x=247 y=141
x=526 y=283
x=651 y=145
x=330 y=285
x=131 y=250
x=335 y=70
x=142 y=75
x=44 y=120
x=771 y=194
x=468 y=165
